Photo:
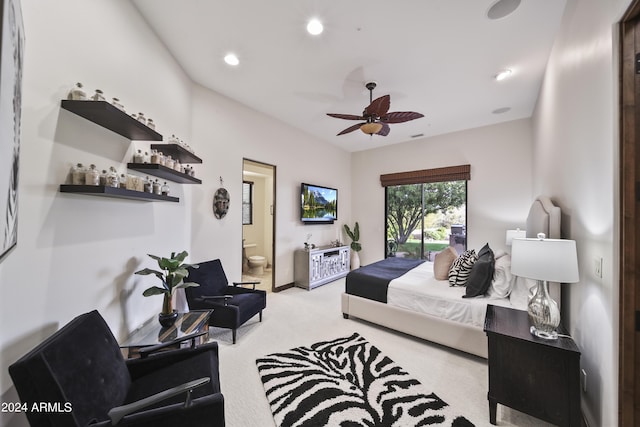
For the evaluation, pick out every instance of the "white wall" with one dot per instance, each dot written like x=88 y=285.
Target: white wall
x=576 y=163
x=499 y=192
x=78 y=253
x=227 y=132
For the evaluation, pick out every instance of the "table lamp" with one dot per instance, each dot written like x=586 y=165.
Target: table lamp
x=544 y=260
x=514 y=234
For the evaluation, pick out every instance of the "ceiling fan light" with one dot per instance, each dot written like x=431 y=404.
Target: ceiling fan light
x=371 y=128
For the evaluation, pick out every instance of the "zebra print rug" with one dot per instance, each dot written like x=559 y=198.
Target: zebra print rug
x=348 y=382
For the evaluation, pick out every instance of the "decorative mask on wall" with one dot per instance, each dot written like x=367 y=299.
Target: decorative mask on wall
x=221 y=201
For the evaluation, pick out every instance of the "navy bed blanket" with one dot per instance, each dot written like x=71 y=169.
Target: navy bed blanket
x=372 y=281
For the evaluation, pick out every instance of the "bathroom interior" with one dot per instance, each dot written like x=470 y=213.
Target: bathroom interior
x=257 y=223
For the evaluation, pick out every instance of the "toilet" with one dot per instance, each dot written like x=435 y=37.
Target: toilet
x=257 y=264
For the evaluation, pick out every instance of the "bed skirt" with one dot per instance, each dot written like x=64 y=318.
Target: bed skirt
x=456 y=335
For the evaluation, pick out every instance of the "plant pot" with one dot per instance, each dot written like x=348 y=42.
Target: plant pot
x=355 y=260
x=167 y=320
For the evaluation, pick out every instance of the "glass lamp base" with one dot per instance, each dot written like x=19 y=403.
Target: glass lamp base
x=544 y=314
x=547 y=335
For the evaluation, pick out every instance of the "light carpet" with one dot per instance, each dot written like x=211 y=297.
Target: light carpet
x=296 y=317
x=348 y=382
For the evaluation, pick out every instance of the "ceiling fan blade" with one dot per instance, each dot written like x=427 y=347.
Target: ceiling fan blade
x=400 y=116
x=379 y=106
x=385 y=130
x=350 y=129
x=345 y=116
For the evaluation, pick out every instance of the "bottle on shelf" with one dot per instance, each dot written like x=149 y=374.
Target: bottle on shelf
x=103 y=177
x=98 y=96
x=164 y=190
x=151 y=124
x=141 y=118
x=161 y=158
x=177 y=166
x=112 y=178
x=138 y=157
x=154 y=157
x=169 y=162
x=122 y=181
x=77 y=174
x=156 y=187
x=77 y=93
x=92 y=176
x=148 y=185
x=116 y=103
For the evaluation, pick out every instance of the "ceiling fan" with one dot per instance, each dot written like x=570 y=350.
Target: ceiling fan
x=376 y=116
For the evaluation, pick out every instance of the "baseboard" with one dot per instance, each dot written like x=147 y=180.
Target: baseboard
x=284 y=287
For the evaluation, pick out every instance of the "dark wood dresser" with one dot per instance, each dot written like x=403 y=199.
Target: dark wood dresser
x=536 y=376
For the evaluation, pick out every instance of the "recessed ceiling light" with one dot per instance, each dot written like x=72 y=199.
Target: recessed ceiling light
x=501 y=110
x=314 y=27
x=502 y=8
x=231 y=59
x=503 y=75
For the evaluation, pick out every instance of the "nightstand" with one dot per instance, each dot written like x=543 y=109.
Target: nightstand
x=536 y=376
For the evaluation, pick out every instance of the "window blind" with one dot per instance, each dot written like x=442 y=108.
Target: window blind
x=449 y=173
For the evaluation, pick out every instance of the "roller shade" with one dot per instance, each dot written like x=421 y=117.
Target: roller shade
x=449 y=173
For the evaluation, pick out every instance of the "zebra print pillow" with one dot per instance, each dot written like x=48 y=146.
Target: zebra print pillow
x=461 y=268
x=348 y=382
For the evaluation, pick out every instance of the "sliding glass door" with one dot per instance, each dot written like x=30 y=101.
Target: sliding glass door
x=423 y=219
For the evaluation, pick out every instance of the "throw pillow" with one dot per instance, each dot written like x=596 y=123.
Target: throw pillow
x=442 y=263
x=502 y=278
x=481 y=274
x=461 y=267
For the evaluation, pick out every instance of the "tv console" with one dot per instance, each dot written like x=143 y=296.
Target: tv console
x=315 y=267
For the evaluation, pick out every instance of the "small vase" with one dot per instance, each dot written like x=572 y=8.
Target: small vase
x=167 y=320
x=168 y=315
x=77 y=93
x=355 y=260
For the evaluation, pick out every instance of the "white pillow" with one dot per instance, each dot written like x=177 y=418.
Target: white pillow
x=502 y=282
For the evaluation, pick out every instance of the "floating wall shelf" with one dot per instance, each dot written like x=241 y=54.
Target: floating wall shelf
x=101 y=190
x=177 y=152
x=112 y=118
x=164 y=173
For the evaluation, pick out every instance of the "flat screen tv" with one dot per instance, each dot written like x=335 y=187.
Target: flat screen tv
x=318 y=205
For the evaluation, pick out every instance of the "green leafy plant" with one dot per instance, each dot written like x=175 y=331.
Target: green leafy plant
x=172 y=276
x=354 y=235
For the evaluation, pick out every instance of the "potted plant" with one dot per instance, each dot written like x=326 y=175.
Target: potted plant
x=355 y=245
x=172 y=276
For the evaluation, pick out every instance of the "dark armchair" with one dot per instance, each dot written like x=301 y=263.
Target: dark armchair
x=80 y=374
x=232 y=305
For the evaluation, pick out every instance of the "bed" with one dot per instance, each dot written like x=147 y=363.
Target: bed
x=403 y=295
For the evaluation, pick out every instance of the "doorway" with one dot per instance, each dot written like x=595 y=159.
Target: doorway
x=258 y=223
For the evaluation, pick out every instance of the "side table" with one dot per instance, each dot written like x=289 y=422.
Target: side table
x=530 y=374
x=152 y=333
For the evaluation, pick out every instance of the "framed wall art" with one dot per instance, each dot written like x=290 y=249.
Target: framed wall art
x=11 y=61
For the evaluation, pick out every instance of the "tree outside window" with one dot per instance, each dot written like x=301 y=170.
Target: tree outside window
x=422 y=219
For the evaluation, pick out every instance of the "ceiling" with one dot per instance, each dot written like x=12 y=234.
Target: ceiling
x=436 y=57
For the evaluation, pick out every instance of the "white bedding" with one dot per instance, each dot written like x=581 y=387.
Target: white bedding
x=417 y=290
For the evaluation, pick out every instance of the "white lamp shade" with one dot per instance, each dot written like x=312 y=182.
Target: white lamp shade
x=515 y=234
x=553 y=260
